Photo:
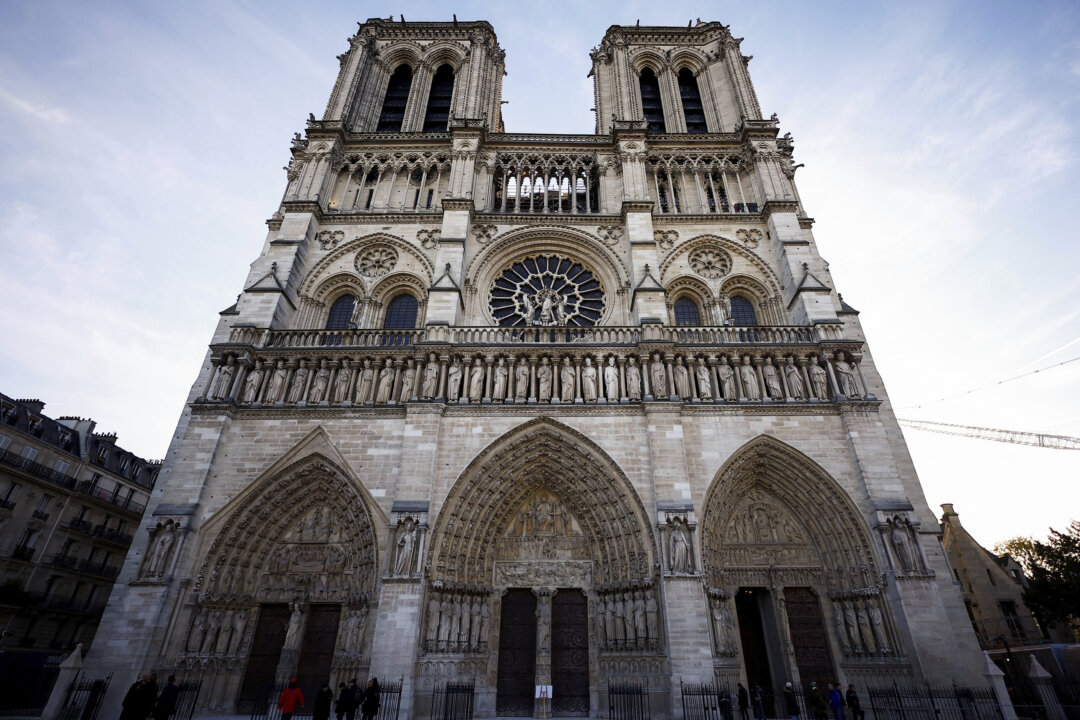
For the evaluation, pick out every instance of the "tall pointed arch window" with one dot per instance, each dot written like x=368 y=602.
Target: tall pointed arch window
x=401 y=313
x=693 y=110
x=742 y=312
x=437 y=116
x=686 y=312
x=397 y=97
x=651 y=104
x=341 y=312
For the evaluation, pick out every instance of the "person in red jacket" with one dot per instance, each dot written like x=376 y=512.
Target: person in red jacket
x=291 y=698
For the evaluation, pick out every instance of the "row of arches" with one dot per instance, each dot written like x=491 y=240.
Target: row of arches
x=399 y=90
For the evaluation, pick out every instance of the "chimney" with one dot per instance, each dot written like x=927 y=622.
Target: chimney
x=35 y=406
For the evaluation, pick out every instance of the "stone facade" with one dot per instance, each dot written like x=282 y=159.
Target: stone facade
x=587 y=405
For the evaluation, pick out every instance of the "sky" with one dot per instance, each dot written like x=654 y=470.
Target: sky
x=141 y=147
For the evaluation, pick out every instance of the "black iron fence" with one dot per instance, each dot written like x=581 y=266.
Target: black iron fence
x=389 y=699
x=84 y=698
x=186 y=699
x=705 y=701
x=266 y=703
x=628 y=701
x=918 y=702
x=453 y=700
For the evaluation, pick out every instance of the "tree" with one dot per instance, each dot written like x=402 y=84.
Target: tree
x=1020 y=549
x=1053 y=592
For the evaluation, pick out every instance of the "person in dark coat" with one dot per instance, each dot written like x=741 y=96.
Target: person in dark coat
x=857 y=712
x=744 y=702
x=324 y=700
x=836 y=701
x=371 y=699
x=791 y=704
x=166 y=704
x=140 y=699
x=291 y=700
x=816 y=701
x=355 y=695
x=342 y=701
x=759 y=702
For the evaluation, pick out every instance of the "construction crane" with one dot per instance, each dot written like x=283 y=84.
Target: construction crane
x=1018 y=437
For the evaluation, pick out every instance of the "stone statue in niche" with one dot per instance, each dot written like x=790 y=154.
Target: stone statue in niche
x=724 y=306
x=224 y=633
x=476 y=380
x=430 y=387
x=433 y=620
x=363 y=386
x=408 y=380
x=386 y=383
x=453 y=381
x=252 y=383
x=543 y=623
x=240 y=620
x=633 y=379
x=320 y=384
x=521 y=381
x=723 y=626
x=679 y=544
x=403 y=557
x=277 y=383
x=501 y=374
x=341 y=383
x=704 y=382
x=588 y=381
x=223 y=381
x=658 y=377
x=157 y=560
x=819 y=380
x=543 y=380
x=292 y=632
x=794 y=380
x=652 y=616
x=682 y=379
x=866 y=631
x=901 y=537
x=749 y=380
x=772 y=380
x=726 y=374
x=611 y=380
x=299 y=383
x=566 y=376
x=842 y=632
x=845 y=375
x=878 y=624
x=543 y=515
x=198 y=631
x=213 y=625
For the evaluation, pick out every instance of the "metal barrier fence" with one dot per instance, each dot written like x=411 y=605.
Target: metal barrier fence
x=628 y=701
x=186 y=699
x=705 y=701
x=933 y=703
x=84 y=698
x=389 y=699
x=266 y=705
x=453 y=701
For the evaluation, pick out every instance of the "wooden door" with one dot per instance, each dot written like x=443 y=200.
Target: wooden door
x=570 y=654
x=517 y=655
x=264 y=656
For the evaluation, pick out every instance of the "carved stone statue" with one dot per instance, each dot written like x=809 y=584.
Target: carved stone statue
x=633 y=379
x=543 y=380
x=320 y=384
x=163 y=542
x=726 y=375
x=723 y=626
x=474 y=623
x=406 y=540
x=588 y=381
x=658 y=377
x=501 y=372
x=866 y=631
x=749 y=380
x=341 y=383
x=299 y=383
x=433 y=619
x=566 y=376
x=364 y=385
x=485 y=615
x=772 y=380
x=223 y=381
x=476 y=380
x=853 y=628
x=682 y=380
x=453 y=381
x=240 y=620
x=521 y=381
x=704 y=382
x=878 y=624
x=794 y=380
x=725 y=308
x=198 y=631
x=543 y=623
x=818 y=378
x=652 y=616
x=252 y=383
x=680 y=549
x=430 y=387
x=601 y=623
x=292 y=633
x=386 y=383
x=212 y=627
x=610 y=619
x=901 y=547
x=408 y=380
x=845 y=377
x=842 y=632
x=222 y=645
x=611 y=380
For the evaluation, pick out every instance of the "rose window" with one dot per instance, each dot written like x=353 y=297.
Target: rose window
x=376 y=261
x=547 y=290
x=710 y=262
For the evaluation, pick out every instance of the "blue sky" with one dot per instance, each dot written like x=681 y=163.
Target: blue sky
x=141 y=147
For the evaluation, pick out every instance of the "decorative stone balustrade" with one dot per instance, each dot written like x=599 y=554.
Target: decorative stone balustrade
x=576 y=366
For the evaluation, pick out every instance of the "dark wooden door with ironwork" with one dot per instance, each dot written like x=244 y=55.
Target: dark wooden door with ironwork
x=264 y=656
x=317 y=649
x=570 y=654
x=808 y=636
x=517 y=654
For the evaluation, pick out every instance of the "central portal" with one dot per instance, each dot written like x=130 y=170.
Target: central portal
x=517 y=654
x=570 y=653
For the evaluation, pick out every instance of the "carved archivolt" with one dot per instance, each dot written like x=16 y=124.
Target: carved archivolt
x=542 y=483
x=765 y=274
x=342 y=254
x=771 y=507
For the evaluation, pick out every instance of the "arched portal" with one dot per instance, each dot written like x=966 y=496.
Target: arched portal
x=793 y=581
x=542 y=549
x=285 y=587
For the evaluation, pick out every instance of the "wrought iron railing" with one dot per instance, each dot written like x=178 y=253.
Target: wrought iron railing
x=628 y=701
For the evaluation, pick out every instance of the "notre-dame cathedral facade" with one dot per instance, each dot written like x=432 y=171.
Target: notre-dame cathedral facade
x=529 y=409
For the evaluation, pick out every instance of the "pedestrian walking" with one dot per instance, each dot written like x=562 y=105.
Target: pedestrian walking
x=342 y=701
x=759 y=702
x=139 y=701
x=371 y=699
x=816 y=701
x=744 y=702
x=291 y=700
x=324 y=700
x=836 y=701
x=857 y=712
x=166 y=704
x=791 y=703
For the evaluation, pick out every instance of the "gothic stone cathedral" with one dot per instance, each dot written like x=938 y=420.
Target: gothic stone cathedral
x=537 y=409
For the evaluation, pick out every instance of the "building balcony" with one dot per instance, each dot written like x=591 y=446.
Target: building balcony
x=82 y=526
x=99 y=569
x=89 y=489
x=23 y=552
x=40 y=515
x=67 y=562
x=112 y=535
x=36 y=470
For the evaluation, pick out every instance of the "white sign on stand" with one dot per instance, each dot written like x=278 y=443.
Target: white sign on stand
x=543 y=702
